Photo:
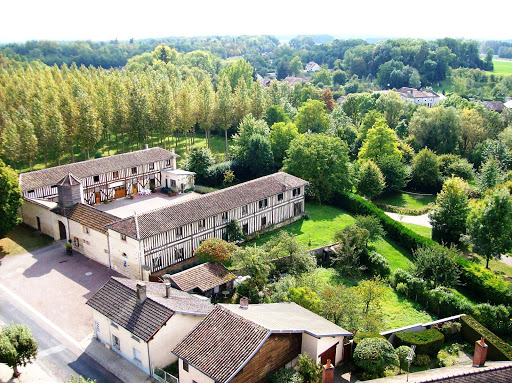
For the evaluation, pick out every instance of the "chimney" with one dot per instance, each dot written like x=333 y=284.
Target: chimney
x=328 y=372
x=244 y=303
x=146 y=146
x=167 y=289
x=141 y=292
x=480 y=353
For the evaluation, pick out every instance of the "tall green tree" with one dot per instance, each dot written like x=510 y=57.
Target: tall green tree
x=242 y=100
x=281 y=135
x=312 y=117
x=224 y=110
x=17 y=346
x=380 y=141
x=425 y=171
x=296 y=66
x=322 y=160
x=10 y=199
x=490 y=225
x=370 y=181
x=436 y=265
x=449 y=216
x=88 y=125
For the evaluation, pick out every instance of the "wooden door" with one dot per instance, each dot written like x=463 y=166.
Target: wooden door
x=329 y=354
x=120 y=192
x=135 y=189
x=97 y=197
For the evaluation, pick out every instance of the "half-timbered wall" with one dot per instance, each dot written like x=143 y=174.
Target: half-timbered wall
x=178 y=244
x=105 y=184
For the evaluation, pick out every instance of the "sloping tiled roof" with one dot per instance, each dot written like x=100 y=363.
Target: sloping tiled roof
x=293 y=80
x=288 y=317
x=69 y=179
x=221 y=344
x=207 y=205
x=117 y=300
x=415 y=93
x=205 y=277
x=501 y=374
x=52 y=176
x=88 y=216
x=495 y=106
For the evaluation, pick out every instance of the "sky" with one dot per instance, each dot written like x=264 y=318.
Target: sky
x=110 y=19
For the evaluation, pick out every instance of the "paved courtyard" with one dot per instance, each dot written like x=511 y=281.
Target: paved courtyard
x=56 y=285
x=126 y=207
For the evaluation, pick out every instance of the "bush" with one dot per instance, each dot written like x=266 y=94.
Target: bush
x=310 y=370
x=365 y=335
x=402 y=353
x=449 y=329
x=445 y=359
x=285 y=375
x=215 y=174
x=377 y=264
x=472 y=331
x=421 y=360
x=427 y=342
x=375 y=355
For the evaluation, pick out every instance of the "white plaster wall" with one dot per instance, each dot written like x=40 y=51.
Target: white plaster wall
x=309 y=345
x=193 y=374
x=169 y=336
x=93 y=245
x=49 y=220
x=129 y=265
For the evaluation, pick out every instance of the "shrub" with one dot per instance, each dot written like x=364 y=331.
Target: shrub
x=448 y=329
x=427 y=342
x=215 y=174
x=285 y=375
x=473 y=331
x=365 y=335
x=377 y=264
x=375 y=355
x=402 y=353
x=445 y=359
x=421 y=360
x=310 y=370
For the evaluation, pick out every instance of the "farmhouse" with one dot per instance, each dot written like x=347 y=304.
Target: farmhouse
x=161 y=235
x=420 y=97
x=144 y=321
x=262 y=339
x=312 y=67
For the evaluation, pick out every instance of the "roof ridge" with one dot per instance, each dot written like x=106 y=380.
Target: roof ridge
x=243 y=318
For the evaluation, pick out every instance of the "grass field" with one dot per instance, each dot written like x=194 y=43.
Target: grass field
x=20 y=240
x=406 y=200
x=217 y=146
x=495 y=265
x=421 y=230
x=502 y=67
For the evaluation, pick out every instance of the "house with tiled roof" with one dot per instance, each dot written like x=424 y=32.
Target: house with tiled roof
x=312 y=67
x=294 y=80
x=144 y=321
x=245 y=343
x=426 y=98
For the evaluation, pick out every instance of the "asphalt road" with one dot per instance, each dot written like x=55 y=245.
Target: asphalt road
x=56 y=356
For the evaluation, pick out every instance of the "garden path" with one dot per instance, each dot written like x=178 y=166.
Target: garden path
x=421 y=220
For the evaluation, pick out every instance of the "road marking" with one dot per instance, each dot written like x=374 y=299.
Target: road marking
x=51 y=350
x=42 y=317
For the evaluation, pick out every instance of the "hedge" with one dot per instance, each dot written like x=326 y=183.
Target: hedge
x=484 y=283
x=472 y=331
x=427 y=342
x=363 y=335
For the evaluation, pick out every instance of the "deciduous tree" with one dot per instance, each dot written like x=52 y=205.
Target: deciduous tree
x=312 y=117
x=10 y=199
x=215 y=250
x=369 y=180
x=17 y=346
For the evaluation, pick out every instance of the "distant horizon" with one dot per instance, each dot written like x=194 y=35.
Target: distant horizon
x=99 y=20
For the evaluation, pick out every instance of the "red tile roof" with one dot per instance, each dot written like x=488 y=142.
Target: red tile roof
x=204 y=277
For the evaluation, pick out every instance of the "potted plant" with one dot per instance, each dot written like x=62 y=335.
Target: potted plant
x=69 y=248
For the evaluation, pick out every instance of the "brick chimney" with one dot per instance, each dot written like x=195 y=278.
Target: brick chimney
x=167 y=289
x=244 y=303
x=480 y=353
x=141 y=292
x=328 y=372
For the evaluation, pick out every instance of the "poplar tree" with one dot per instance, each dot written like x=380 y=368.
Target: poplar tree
x=224 y=111
x=206 y=107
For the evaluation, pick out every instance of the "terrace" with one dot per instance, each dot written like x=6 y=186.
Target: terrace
x=126 y=207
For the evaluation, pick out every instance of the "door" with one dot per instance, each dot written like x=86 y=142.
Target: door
x=135 y=189
x=97 y=197
x=38 y=224
x=62 y=230
x=120 y=192
x=329 y=354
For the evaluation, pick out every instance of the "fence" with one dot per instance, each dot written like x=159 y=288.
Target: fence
x=164 y=377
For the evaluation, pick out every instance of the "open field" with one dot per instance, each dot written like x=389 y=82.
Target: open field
x=421 y=230
x=502 y=67
x=20 y=240
x=406 y=200
x=108 y=148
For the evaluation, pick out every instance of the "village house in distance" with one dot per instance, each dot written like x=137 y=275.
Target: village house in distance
x=149 y=235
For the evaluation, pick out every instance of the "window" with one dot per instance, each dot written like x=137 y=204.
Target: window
x=167 y=163
x=76 y=242
x=263 y=203
x=115 y=175
x=157 y=263
x=280 y=197
x=114 y=325
x=152 y=166
x=115 y=342
x=135 y=339
x=134 y=170
x=185 y=366
x=30 y=192
x=202 y=224
x=179 y=232
x=136 y=355
x=244 y=210
x=225 y=216
x=173 y=183
x=245 y=228
x=296 y=192
x=86 y=230
x=124 y=255
x=123 y=237
x=179 y=255
x=263 y=221
x=96 y=178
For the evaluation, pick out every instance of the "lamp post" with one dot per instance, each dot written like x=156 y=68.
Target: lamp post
x=409 y=359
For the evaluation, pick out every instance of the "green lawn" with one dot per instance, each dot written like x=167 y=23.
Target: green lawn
x=495 y=265
x=502 y=67
x=421 y=230
x=397 y=256
x=406 y=200
x=20 y=240
x=107 y=148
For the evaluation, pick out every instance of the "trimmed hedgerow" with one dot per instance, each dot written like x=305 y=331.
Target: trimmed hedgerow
x=364 y=335
x=472 y=331
x=427 y=342
x=484 y=283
